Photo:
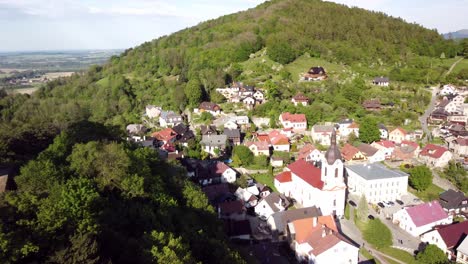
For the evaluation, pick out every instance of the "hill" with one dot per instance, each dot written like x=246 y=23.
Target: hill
x=460 y=34
x=86 y=196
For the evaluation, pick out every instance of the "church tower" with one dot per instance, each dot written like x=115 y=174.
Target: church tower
x=332 y=165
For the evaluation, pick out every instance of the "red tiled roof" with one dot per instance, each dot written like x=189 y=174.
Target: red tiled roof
x=263 y=137
x=433 y=151
x=276 y=138
x=300 y=98
x=261 y=145
x=426 y=213
x=386 y=143
x=348 y=151
x=210 y=106
x=462 y=141
x=294 y=118
x=307 y=172
x=165 y=135
x=409 y=143
x=305 y=151
x=219 y=168
x=452 y=234
x=285 y=176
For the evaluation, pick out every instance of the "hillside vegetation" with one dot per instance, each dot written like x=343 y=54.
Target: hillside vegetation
x=86 y=196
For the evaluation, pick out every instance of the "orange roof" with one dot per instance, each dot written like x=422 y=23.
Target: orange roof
x=348 y=151
x=305 y=151
x=400 y=129
x=164 y=135
x=294 y=118
x=305 y=227
x=285 y=176
x=276 y=138
x=263 y=137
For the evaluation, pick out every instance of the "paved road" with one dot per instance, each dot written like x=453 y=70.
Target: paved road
x=430 y=108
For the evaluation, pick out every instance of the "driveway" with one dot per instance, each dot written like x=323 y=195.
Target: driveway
x=430 y=108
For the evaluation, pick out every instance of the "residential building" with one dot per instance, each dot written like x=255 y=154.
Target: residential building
x=309 y=153
x=322 y=186
x=435 y=156
x=213 y=144
x=381 y=81
x=454 y=202
x=153 y=111
x=233 y=136
x=448 y=90
x=346 y=129
x=386 y=146
x=165 y=136
x=300 y=99
x=421 y=218
x=216 y=192
x=250 y=101
x=276 y=162
x=317 y=240
x=249 y=199
x=278 y=141
x=136 y=129
x=209 y=107
x=372 y=105
x=372 y=154
x=439 y=115
x=321 y=134
x=279 y=220
x=230 y=124
x=298 y=122
x=208 y=130
x=447 y=238
x=234 y=210
x=258 y=147
x=383 y=131
x=351 y=153
x=315 y=74
x=169 y=119
x=275 y=202
x=462 y=251
x=459 y=146
x=376 y=182
x=184 y=134
x=259 y=96
x=240 y=230
x=398 y=135
x=224 y=172
x=240 y=120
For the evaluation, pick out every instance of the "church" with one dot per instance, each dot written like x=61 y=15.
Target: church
x=321 y=184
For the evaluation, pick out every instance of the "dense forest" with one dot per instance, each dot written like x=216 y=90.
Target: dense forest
x=84 y=196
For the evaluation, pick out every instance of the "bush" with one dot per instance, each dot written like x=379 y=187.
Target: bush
x=420 y=178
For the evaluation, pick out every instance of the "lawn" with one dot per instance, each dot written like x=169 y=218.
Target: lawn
x=461 y=65
x=304 y=63
x=431 y=193
x=103 y=82
x=399 y=254
x=368 y=256
x=264 y=178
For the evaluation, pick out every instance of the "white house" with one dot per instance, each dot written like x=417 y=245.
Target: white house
x=376 y=182
x=372 y=154
x=241 y=120
x=213 y=143
x=346 y=129
x=383 y=131
x=224 y=171
x=258 y=147
x=456 y=105
x=386 y=146
x=459 y=146
x=169 y=119
x=435 y=156
x=462 y=252
x=447 y=90
x=298 y=122
x=447 y=238
x=300 y=99
x=230 y=124
x=310 y=154
x=321 y=134
x=421 y=218
x=271 y=204
x=317 y=240
x=381 y=81
x=247 y=197
x=249 y=101
x=153 y=111
x=313 y=186
x=278 y=141
x=398 y=135
x=259 y=96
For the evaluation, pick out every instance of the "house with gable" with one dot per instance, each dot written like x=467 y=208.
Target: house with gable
x=234 y=210
x=208 y=130
x=230 y=124
x=249 y=101
x=372 y=105
x=298 y=122
x=407 y=150
x=381 y=81
x=435 y=156
x=300 y=99
x=240 y=120
x=278 y=141
x=216 y=192
x=317 y=240
x=454 y=107
x=386 y=146
x=322 y=186
x=447 y=238
x=315 y=74
x=259 y=147
x=259 y=96
x=169 y=119
x=462 y=251
x=459 y=146
x=233 y=136
x=184 y=134
x=224 y=172
x=421 y=218
x=346 y=129
x=454 y=202
x=448 y=90
x=153 y=111
x=372 y=154
x=309 y=153
x=209 y=107
x=351 y=153
x=321 y=134
x=275 y=202
x=136 y=132
x=213 y=144
x=165 y=136
x=249 y=199
x=398 y=135
x=383 y=131
x=279 y=220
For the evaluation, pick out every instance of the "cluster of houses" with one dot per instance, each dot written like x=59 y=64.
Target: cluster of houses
x=240 y=93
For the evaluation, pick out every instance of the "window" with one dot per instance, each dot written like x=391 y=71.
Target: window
x=334 y=202
x=336 y=173
x=325 y=171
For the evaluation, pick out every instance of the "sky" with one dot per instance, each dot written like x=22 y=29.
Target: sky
x=29 y=25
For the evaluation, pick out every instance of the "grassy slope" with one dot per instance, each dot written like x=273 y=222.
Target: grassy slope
x=304 y=63
x=461 y=65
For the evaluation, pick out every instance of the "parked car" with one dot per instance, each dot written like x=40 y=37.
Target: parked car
x=351 y=202
x=371 y=217
x=400 y=202
x=381 y=204
x=391 y=203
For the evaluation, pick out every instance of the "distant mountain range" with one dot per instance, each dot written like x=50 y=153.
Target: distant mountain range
x=460 y=34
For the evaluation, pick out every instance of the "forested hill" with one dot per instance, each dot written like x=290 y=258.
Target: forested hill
x=86 y=196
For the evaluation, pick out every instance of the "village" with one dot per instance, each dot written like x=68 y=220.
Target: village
x=297 y=189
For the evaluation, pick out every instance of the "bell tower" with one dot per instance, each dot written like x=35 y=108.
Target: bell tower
x=332 y=165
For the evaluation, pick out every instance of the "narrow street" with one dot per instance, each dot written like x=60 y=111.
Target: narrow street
x=423 y=118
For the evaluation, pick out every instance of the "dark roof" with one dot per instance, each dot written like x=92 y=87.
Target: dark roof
x=381 y=79
x=180 y=129
x=382 y=126
x=232 y=133
x=237 y=228
x=277 y=198
x=453 y=234
x=232 y=207
x=317 y=70
x=367 y=149
x=333 y=152
x=210 y=106
x=440 y=112
x=451 y=199
x=208 y=130
x=284 y=217
x=373 y=103
x=212 y=192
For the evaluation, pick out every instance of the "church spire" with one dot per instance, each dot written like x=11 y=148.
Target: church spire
x=333 y=153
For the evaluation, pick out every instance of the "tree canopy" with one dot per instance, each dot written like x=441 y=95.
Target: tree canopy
x=420 y=177
x=432 y=255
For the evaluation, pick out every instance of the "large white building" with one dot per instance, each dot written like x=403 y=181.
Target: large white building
x=376 y=182
x=322 y=185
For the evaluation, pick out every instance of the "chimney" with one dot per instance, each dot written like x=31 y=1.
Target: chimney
x=314 y=221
